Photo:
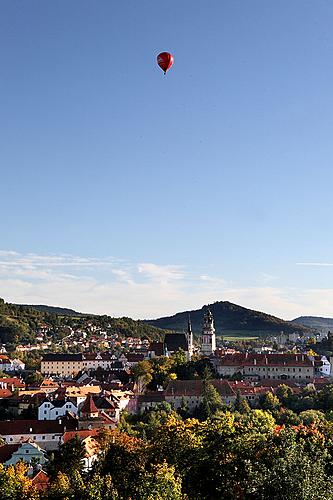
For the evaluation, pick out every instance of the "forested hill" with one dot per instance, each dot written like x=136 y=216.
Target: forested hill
x=62 y=311
x=19 y=324
x=230 y=318
x=322 y=324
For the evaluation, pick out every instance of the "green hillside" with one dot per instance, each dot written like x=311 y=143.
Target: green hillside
x=230 y=318
x=62 y=311
x=19 y=324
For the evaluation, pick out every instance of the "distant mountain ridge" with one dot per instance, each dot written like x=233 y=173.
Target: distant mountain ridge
x=230 y=318
x=316 y=322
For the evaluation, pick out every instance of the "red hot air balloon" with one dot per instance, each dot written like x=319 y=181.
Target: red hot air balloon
x=165 y=61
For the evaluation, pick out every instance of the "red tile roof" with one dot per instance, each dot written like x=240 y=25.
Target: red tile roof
x=82 y=434
x=41 y=480
x=268 y=382
x=249 y=359
x=195 y=387
x=5 y=393
x=89 y=405
x=11 y=427
x=12 y=381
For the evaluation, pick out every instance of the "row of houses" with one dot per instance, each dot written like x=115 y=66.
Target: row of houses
x=10 y=365
x=68 y=365
x=300 y=367
x=28 y=451
x=189 y=393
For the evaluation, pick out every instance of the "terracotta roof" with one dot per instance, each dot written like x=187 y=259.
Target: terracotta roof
x=5 y=393
x=246 y=391
x=249 y=359
x=89 y=405
x=12 y=381
x=195 y=387
x=82 y=391
x=48 y=383
x=7 y=450
x=16 y=427
x=82 y=434
x=267 y=382
x=321 y=381
x=41 y=480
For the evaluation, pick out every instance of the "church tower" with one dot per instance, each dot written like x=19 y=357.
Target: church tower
x=208 y=341
x=189 y=339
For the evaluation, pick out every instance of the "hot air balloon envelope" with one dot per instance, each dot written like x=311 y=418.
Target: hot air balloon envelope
x=165 y=61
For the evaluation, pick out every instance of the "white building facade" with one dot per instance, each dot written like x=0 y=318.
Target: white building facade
x=51 y=410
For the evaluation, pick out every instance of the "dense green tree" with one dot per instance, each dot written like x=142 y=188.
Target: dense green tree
x=34 y=379
x=311 y=417
x=241 y=404
x=160 y=483
x=14 y=483
x=286 y=417
x=143 y=374
x=68 y=459
x=211 y=401
x=284 y=393
x=269 y=402
x=126 y=460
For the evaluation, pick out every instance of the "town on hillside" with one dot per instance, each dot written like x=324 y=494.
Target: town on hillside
x=96 y=382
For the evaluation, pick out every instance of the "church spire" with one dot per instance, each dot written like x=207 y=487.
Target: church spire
x=189 y=337
x=189 y=325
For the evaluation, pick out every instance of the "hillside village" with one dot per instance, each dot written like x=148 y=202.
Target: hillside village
x=94 y=378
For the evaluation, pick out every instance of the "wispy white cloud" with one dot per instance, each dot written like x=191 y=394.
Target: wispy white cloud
x=141 y=290
x=315 y=264
x=161 y=274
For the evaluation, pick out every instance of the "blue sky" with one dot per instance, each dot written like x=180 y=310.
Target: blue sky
x=126 y=192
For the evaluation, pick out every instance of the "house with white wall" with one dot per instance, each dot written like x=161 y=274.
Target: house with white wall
x=52 y=410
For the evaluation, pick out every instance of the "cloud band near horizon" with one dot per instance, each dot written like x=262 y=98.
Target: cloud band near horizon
x=141 y=290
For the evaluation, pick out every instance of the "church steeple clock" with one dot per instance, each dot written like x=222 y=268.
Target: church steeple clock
x=208 y=340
